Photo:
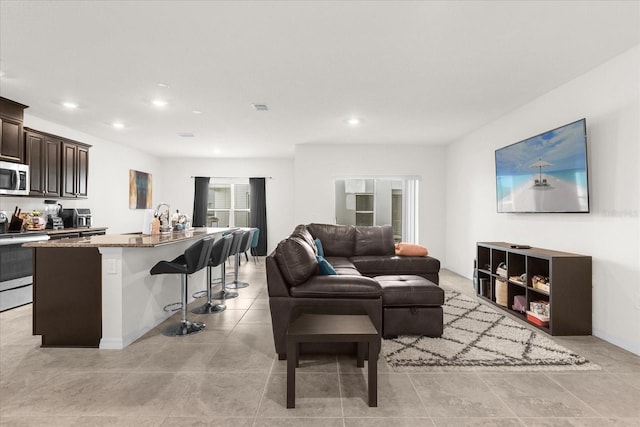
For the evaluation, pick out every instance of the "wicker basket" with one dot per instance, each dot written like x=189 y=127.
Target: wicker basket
x=501 y=292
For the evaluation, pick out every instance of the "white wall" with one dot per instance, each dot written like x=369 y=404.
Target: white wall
x=317 y=166
x=109 y=165
x=179 y=186
x=608 y=97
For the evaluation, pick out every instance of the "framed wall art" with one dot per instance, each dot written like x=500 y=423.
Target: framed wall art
x=140 y=190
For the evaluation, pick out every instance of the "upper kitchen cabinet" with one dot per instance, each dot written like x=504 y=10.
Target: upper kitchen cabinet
x=11 y=142
x=75 y=169
x=43 y=156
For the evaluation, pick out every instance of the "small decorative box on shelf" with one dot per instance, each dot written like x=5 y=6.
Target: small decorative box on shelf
x=537 y=319
x=541 y=308
x=540 y=283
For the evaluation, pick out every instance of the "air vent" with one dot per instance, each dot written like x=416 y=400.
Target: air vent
x=186 y=134
x=260 y=107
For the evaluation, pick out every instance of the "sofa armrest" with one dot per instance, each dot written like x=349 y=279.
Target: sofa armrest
x=337 y=287
x=276 y=285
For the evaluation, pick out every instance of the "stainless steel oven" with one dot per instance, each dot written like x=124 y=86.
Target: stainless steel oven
x=14 y=179
x=16 y=268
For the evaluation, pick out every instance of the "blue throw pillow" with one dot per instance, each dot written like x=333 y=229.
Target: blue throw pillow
x=319 y=246
x=326 y=269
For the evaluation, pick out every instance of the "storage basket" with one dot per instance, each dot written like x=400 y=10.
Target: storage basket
x=501 y=270
x=501 y=292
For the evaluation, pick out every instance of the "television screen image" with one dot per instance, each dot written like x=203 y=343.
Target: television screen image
x=545 y=173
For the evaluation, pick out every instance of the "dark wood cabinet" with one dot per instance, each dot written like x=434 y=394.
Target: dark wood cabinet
x=75 y=169
x=567 y=291
x=34 y=144
x=52 y=166
x=43 y=157
x=67 y=313
x=82 y=171
x=11 y=140
x=58 y=167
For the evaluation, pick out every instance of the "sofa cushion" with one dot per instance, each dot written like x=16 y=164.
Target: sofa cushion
x=338 y=287
x=302 y=232
x=326 y=269
x=383 y=265
x=374 y=240
x=296 y=260
x=337 y=240
x=343 y=266
x=409 y=290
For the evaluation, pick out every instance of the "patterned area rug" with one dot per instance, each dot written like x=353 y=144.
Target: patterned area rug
x=476 y=337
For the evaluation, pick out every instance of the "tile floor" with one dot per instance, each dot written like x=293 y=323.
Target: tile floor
x=229 y=375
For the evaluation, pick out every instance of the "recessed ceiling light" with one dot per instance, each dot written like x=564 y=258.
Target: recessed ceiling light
x=217 y=151
x=164 y=85
x=260 y=107
x=354 y=121
x=159 y=102
x=70 y=105
x=197 y=112
x=118 y=125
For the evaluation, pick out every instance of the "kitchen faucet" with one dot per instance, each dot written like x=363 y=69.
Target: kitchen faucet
x=165 y=224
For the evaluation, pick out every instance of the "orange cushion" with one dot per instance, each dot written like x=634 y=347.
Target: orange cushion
x=410 y=249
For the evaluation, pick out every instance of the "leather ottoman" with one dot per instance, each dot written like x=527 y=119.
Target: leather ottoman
x=411 y=305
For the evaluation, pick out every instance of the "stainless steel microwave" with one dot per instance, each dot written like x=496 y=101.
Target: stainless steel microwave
x=14 y=179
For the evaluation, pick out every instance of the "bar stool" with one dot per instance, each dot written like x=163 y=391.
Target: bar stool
x=243 y=240
x=254 y=245
x=219 y=255
x=224 y=293
x=195 y=258
x=252 y=232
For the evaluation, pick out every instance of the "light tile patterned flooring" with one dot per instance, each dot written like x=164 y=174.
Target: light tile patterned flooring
x=229 y=375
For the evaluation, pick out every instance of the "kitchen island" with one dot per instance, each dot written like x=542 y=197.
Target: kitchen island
x=96 y=291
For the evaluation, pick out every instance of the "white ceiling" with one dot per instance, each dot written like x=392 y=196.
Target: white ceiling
x=415 y=72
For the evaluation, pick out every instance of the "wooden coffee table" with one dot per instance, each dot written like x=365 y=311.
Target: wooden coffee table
x=333 y=328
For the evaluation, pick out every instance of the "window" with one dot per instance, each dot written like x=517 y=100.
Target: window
x=228 y=205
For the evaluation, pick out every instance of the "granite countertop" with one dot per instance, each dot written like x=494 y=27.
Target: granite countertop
x=130 y=240
x=73 y=230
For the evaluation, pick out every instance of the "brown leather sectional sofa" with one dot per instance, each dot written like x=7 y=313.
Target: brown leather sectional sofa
x=370 y=279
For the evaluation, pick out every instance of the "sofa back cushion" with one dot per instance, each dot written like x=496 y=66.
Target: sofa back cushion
x=374 y=240
x=296 y=260
x=302 y=232
x=337 y=240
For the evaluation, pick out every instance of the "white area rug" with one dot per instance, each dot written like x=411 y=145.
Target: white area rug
x=476 y=337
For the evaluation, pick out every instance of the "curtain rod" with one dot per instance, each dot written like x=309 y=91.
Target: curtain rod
x=237 y=177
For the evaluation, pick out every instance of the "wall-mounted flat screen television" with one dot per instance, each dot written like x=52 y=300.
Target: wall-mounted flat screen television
x=545 y=173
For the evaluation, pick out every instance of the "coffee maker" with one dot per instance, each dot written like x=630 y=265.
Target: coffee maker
x=52 y=211
x=76 y=217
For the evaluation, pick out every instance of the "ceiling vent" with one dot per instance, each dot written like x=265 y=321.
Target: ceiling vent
x=186 y=134
x=260 y=107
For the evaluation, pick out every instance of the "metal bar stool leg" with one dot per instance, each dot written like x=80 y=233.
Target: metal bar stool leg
x=209 y=306
x=237 y=284
x=223 y=293
x=185 y=327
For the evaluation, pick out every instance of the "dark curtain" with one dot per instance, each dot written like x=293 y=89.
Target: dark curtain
x=258 y=199
x=200 y=201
